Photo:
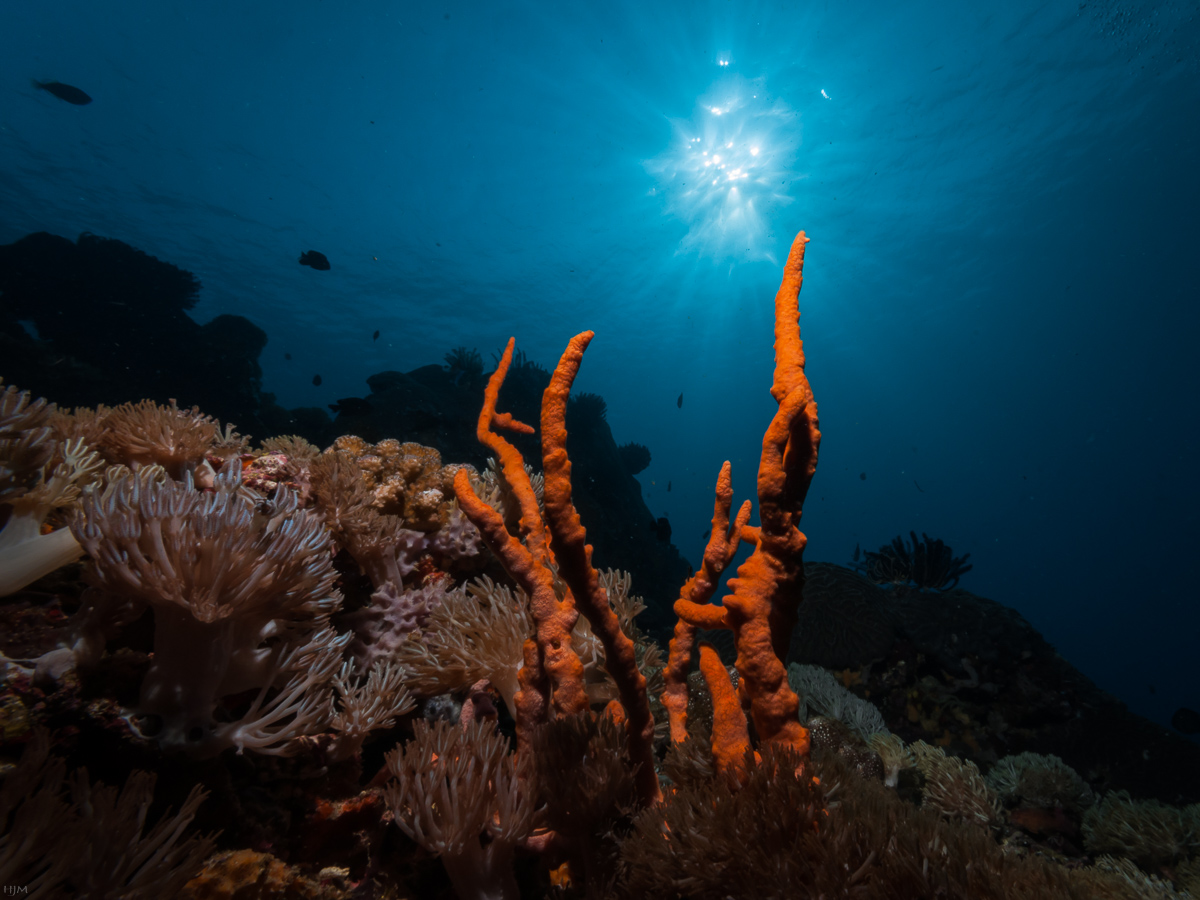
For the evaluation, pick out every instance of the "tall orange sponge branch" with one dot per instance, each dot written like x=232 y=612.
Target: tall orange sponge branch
x=553 y=672
x=569 y=543
x=761 y=611
x=722 y=546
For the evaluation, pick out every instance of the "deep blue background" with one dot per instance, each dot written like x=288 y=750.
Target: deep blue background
x=1000 y=303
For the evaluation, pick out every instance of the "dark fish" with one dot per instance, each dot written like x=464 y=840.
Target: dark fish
x=661 y=529
x=704 y=537
x=679 y=402
x=668 y=487
x=351 y=406
x=862 y=476
x=919 y=488
x=315 y=259
x=1186 y=721
x=287 y=356
x=375 y=336
x=64 y=92
x=316 y=381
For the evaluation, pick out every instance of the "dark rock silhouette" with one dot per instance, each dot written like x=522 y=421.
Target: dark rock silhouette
x=98 y=321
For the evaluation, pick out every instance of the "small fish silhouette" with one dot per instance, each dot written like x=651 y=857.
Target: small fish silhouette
x=375 y=336
x=62 y=91
x=287 y=356
x=679 y=402
x=668 y=487
x=316 y=381
x=315 y=259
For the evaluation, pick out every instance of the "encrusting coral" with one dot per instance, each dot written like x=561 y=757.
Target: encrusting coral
x=387 y=547
x=405 y=479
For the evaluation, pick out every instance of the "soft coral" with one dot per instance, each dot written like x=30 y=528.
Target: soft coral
x=38 y=474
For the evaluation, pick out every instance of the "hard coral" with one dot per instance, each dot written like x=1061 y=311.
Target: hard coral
x=405 y=480
x=843 y=621
x=383 y=548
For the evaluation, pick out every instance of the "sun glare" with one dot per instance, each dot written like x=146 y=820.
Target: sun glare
x=729 y=168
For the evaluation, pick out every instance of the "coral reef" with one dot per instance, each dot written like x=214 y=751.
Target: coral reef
x=428 y=407
x=280 y=616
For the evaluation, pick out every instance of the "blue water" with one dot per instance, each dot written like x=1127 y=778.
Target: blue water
x=1000 y=304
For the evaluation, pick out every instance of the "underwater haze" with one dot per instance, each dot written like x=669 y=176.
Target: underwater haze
x=1000 y=309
